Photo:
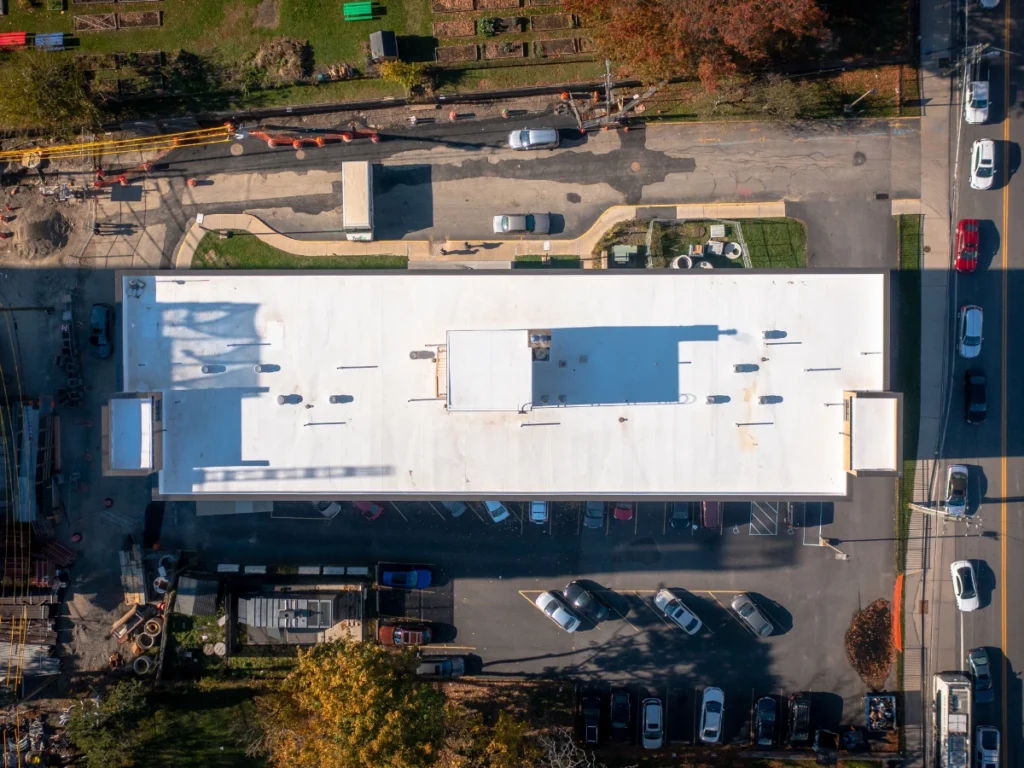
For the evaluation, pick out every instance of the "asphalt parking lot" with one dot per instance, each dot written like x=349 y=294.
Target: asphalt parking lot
x=487 y=576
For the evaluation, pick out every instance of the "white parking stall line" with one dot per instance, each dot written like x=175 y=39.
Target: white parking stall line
x=812 y=510
x=764 y=518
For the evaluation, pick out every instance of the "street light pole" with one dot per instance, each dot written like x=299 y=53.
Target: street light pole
x=823 y=542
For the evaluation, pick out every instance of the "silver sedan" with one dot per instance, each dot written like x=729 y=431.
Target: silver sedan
x=537 y=223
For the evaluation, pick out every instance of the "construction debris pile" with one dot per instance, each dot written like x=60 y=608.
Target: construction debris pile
x=28 y=738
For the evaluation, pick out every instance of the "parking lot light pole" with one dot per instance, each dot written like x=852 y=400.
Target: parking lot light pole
x=831 y=544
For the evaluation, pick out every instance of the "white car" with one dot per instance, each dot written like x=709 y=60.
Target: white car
x=976 y=96
x=968 y=339
x=653 y=725
x=673 y=607
x=986 y=744
x=555 y=608
x=533 y=138
x=983 y=163
x=496 y=510
x=965 y=585
x=712 y=713
x=538 y=512
x=537 y=223
x=956 y=490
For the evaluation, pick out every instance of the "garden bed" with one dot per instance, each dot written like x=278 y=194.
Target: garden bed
x=552 y=48
x=138 y=19
x=450 y=53
x=550 y=21
x=483 y=5
x=510 y=25
x=455 y=28
x=504 y=50
x=141 y=59
x=586 y=45
x=449 y=6
x=543 y=2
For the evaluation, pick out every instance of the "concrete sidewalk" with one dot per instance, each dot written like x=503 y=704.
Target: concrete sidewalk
x=920 y=651
x=428 y=250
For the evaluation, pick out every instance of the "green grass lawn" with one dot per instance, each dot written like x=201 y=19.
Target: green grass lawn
x=199 y=727
x=775 y=243
x=535 y=261
x=225 y=29
x=244 y=251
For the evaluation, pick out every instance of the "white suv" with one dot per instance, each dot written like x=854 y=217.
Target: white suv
x=983 y=163
x=968 y=340
x=986 y=740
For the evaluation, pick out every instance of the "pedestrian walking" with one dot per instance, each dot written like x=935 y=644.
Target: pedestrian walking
x=444 y=252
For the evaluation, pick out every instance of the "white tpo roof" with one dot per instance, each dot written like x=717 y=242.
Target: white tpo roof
x=619 y=409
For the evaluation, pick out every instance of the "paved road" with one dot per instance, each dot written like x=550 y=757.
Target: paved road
x=994 y=450
x=443 y=180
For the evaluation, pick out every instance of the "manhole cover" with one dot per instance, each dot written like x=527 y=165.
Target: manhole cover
x=634 y=166
x=300 y=154
x=859 y=158
x=237 y=149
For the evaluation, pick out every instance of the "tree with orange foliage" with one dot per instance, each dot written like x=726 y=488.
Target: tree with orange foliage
x=711 y=39
x=351 y=705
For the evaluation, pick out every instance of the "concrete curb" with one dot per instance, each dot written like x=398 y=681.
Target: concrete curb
x=429 y=250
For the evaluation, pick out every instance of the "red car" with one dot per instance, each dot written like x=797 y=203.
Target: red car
x=371 y=509
x=967 y=245
x=623 y=510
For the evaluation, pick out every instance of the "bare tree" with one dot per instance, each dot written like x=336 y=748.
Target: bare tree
x=558 y=750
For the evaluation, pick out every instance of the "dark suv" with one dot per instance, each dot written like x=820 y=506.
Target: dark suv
x=799 y=720
x=591 y=718
x=974 y=397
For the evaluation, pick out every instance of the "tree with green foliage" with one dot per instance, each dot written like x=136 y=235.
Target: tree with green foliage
x=407 y=74
x=106 y=729
x=349 y=705
x=45 y=92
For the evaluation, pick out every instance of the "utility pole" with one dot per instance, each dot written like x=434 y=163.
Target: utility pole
x=607 y=87
x=840 y=555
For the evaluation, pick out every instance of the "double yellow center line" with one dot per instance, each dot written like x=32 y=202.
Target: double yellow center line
x=1004 y=362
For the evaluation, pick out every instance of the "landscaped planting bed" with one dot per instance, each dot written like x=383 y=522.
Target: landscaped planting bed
x=550 y=21
x=455 y=28
x=543 y=2
x=446 y=6
x=452 y=53
x=504 y=50
x=551 y=48
x=586 y=45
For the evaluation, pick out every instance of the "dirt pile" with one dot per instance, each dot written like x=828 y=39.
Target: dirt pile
x=869 y=643
x=41 y=226
x=285 y=60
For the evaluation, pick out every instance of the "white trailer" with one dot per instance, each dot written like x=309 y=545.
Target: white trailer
x=357 y=200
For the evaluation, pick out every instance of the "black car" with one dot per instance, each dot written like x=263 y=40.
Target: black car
x=974 y=397
x=586 y=602
x=764 y=723
x=977 y=660
x=591 y=718
x=100 y=337
x=681 y=518
x=799 y=720
x=620 y=714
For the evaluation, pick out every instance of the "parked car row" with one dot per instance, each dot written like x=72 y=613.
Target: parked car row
x=769 y=728
x=578 y=604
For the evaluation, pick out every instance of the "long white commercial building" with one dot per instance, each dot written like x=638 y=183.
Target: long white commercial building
x=506 y=385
